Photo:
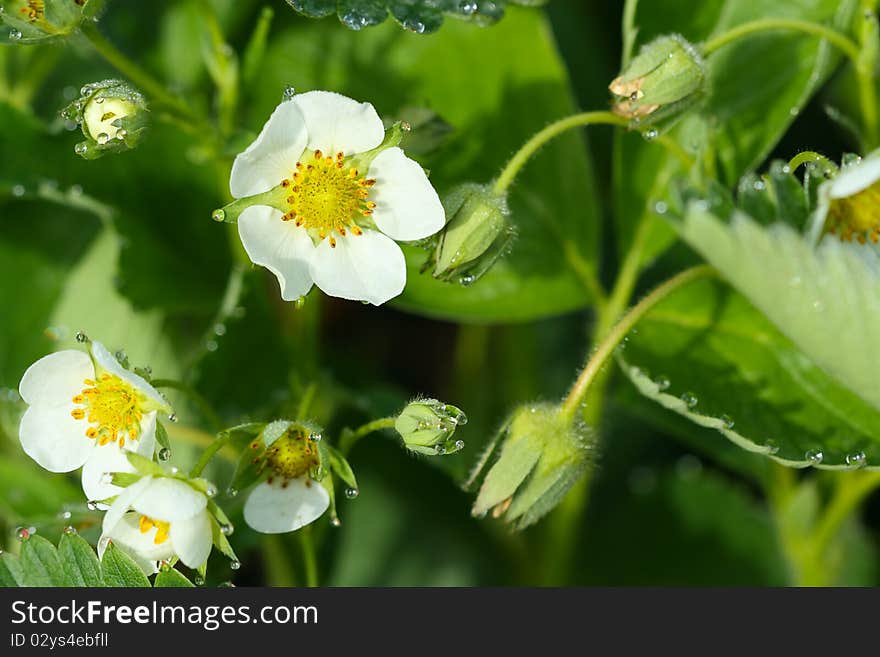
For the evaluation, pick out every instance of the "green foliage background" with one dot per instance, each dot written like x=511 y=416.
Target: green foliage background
x=124 y=249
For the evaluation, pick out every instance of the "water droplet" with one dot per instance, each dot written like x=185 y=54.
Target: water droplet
x=459 y=445
x=440 y=450
x=772 y=447
x=18 y=191
x=662 y=383
x=660 y=207
x=82 y=337
x=226 y=585
x=690 y=399
x=467 y=279
x=219 y=214
x=235 y=565
x=219 y=329
x=856 y=459
x=81 y=148
x=650 y=135
x=75 y=190
x=232 y=492
x=794 y=111
x=211 y=345
x=226 y=529
x=198 y=580
x=288 y=93
x=107 y=478
x=164 y=454
x=758 y=185
x=70 y=530
x=352 y=493
x=65 y=515
x=174 y=470
x=14 y=35
x=786 y=169
x=414 y=25
x=86 y=90
x=467 y=6
x=99 y=100
x=172 y=417
x=121 y=134
x=92 y=505
x=102 y=138
x=335 y=522
x=22 y=533
x=727 y=421
x=354 y=21
x=814 y=456
x=315 y=436
x=211 y=490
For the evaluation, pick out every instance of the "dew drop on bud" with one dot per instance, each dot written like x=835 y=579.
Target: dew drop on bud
x=439 y=449
x=121 y=134
x=81 y=148
x=459 y=445
x=351 y=493
x=102 y=138
x=226 y=585
x=218 y=215
x=164 y=454
x=315 y=436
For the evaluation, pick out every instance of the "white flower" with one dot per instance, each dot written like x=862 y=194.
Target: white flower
x=85 y=412
x=339 y=230
x=289 y=499
x=846 y=205
x=157 y=518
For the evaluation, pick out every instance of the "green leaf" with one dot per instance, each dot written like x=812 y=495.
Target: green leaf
x=11 y=574
x=79 y=563
x=339 y=464
x=171 y=578
x=825 y=299
x=419 y=16
x=120 y=570
x=710 y=356
x=40 y=564
x=757 y=86
x=554 y=201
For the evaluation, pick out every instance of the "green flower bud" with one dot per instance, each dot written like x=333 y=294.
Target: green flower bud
x=113 y=117
x=542 y=454
x=478 y=233
x=32 y=21
x=665 y=78
x=427 y=426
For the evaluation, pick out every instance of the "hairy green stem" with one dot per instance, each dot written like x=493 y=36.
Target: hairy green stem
x=204 y=406
x=841 y=41
x=806 y=157
x=349 y=440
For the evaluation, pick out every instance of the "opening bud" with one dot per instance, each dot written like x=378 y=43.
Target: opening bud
x=664 y=79
x=541 y=453
x=427 y=426
x=113 y=117
x=478 y=233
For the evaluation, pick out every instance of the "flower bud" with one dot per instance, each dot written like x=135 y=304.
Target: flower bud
x=477 y=234
x=542 y=454
x=665 y=78
x=427 y=426
x=31 y=21
x=113 y=117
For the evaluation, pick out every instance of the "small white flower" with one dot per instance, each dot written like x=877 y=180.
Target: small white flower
x=846 y=205
x=85 y=412
x=157 y=518
x=289 y=499
x=340 y=230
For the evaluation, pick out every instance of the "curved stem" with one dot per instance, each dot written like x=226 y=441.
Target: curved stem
x=219 y=443
x=350 y=439
x=841 y=41
x=616 y=335
x=204 y=406
x=540 y=138
x=810 y=156
x=146 y=82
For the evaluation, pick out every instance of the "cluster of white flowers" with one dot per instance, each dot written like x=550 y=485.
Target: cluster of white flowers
x=348 y=194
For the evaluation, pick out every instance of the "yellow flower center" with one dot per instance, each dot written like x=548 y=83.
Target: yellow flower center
x=112 y=407
x=327 y=196
x=162 y=528
x=34 y=10
x=292 y=455
x=856 y=216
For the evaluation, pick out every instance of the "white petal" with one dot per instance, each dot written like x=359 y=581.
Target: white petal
x=272 y=509
x=272 y=155
x=141 y=546
x=169 y=500
x=337 y=123
x=192 y=539
x=56 y=378
x=280 y=247
x=122 y=504
x=368 y=267
x=407 y=207
x=52 y=438
x=104 y=458
x=146 y=442
x=107 y=362
x=855 y=178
